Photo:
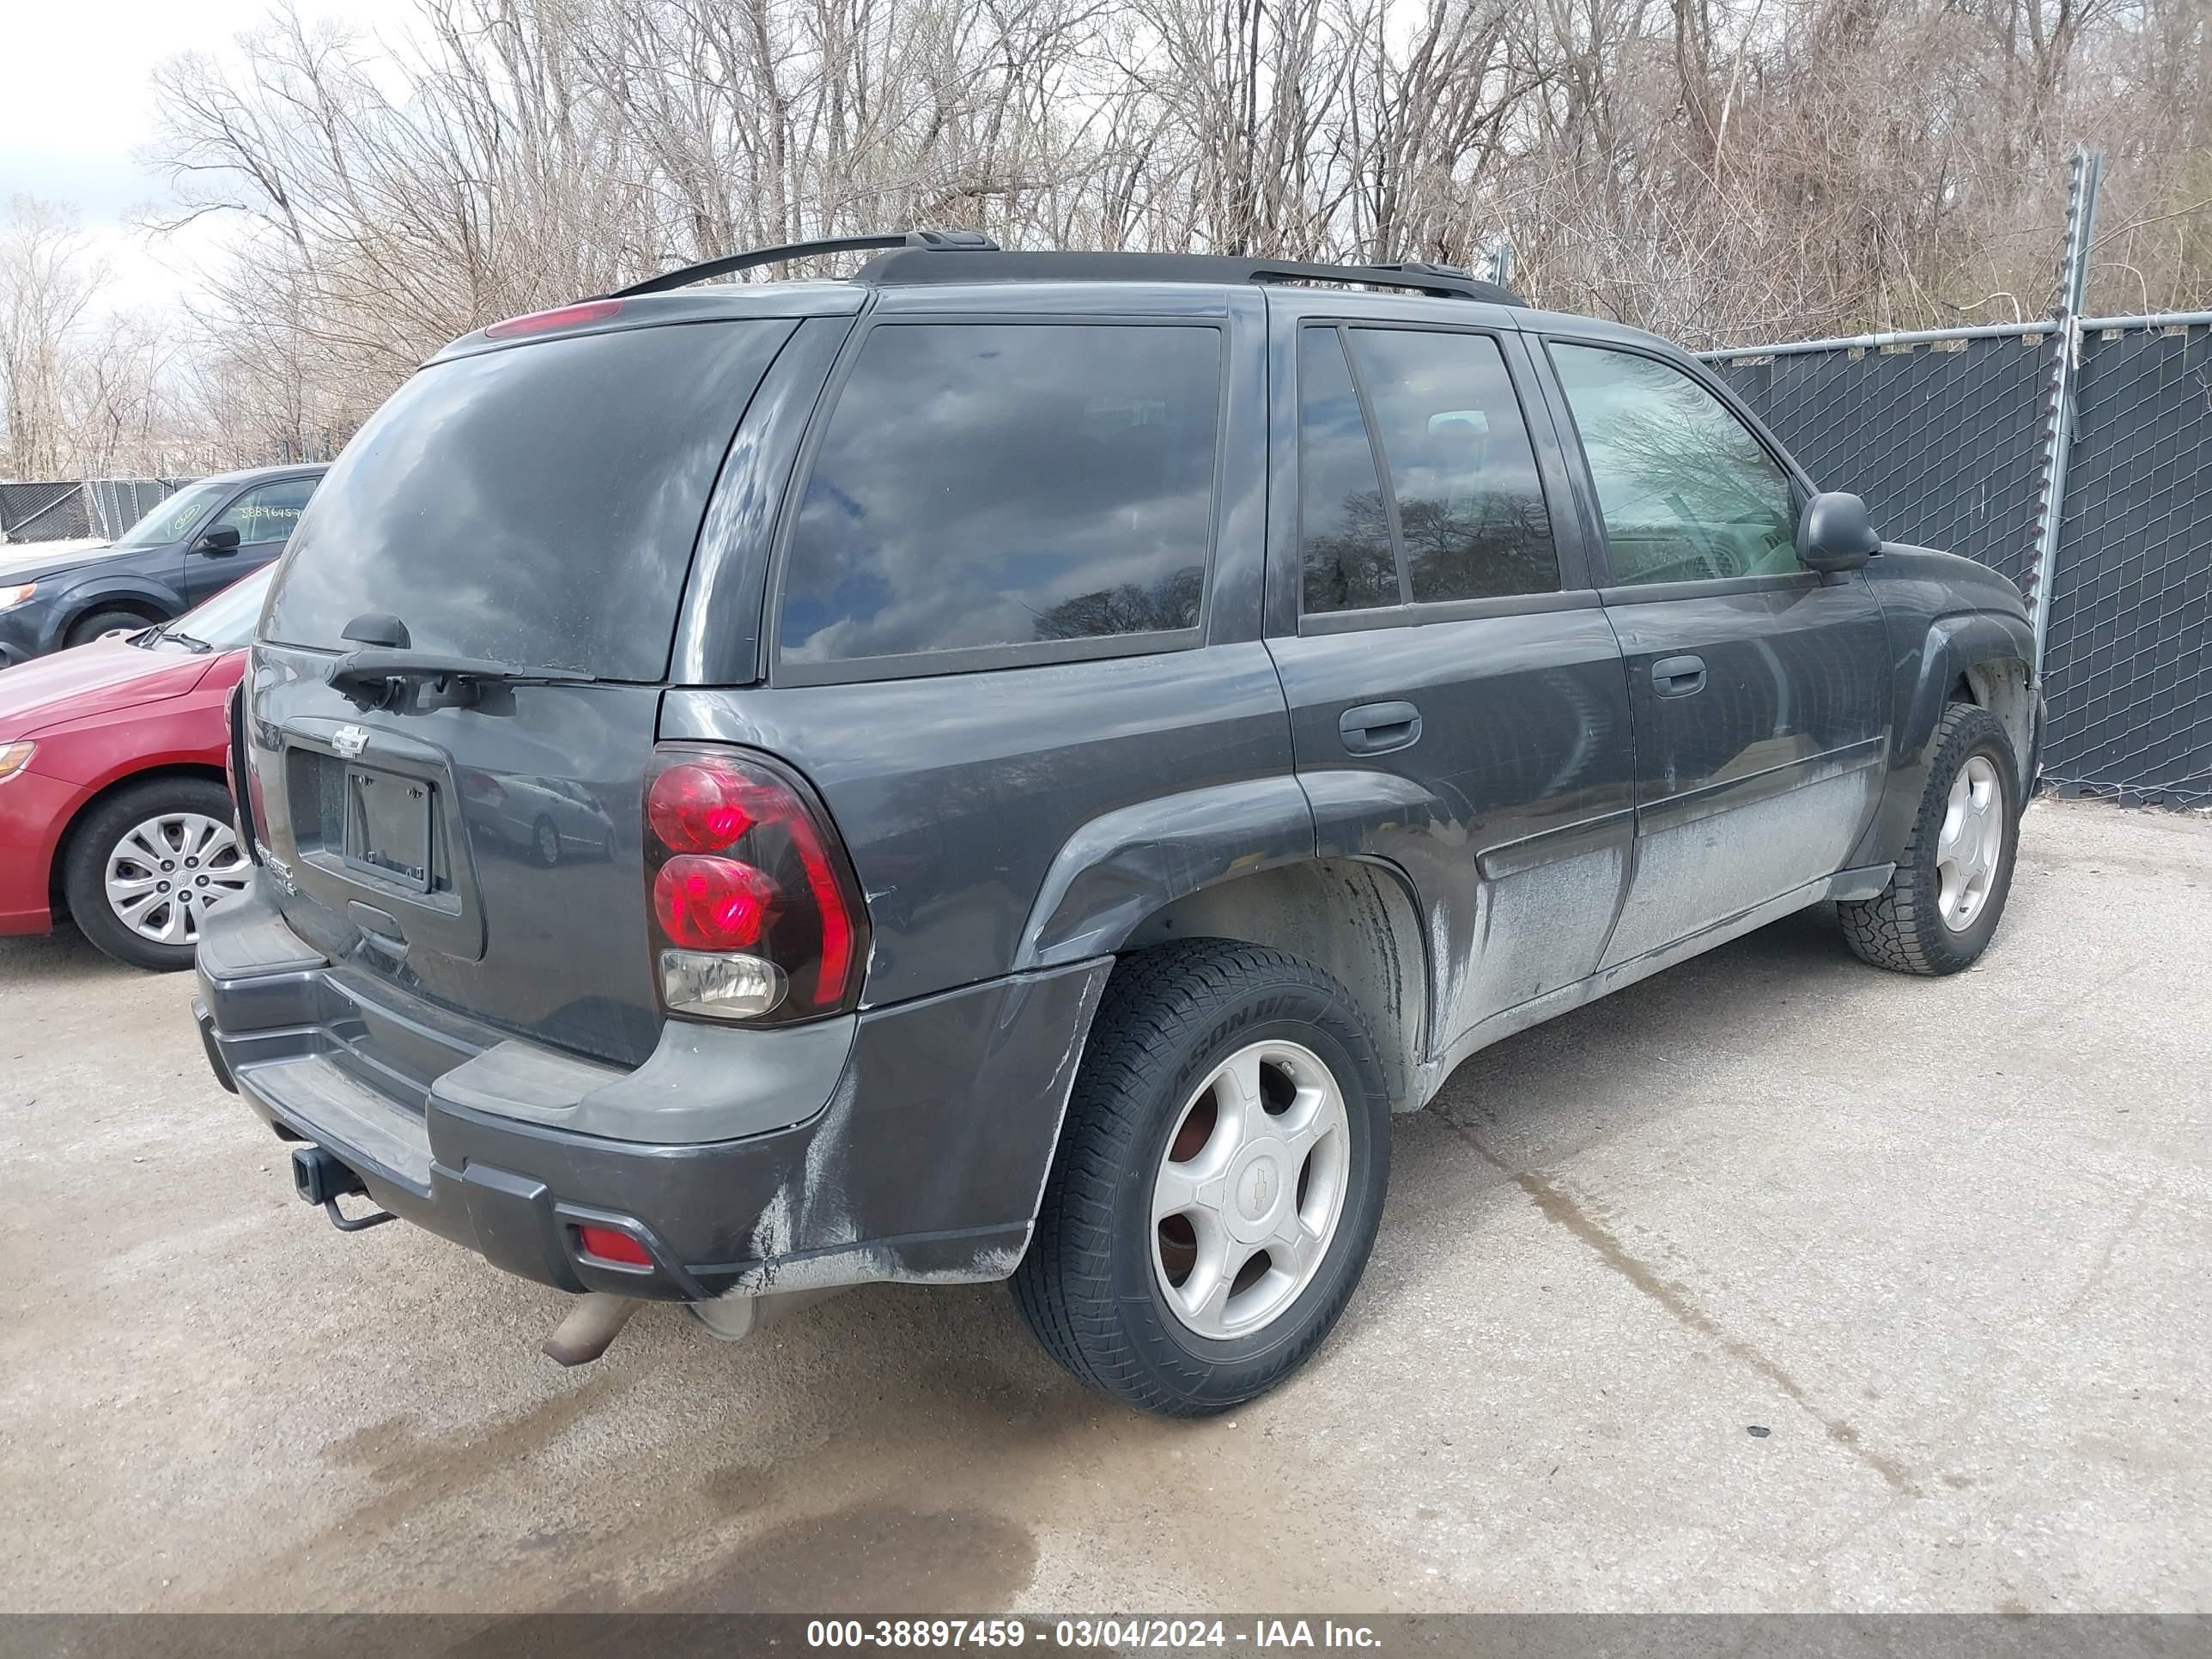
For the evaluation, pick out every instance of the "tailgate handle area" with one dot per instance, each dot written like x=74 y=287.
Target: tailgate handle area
x=380 y=929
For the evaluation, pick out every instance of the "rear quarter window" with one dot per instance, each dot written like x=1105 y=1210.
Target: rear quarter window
x=1004 y=491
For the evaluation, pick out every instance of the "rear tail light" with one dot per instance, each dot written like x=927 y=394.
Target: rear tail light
x=755 y=914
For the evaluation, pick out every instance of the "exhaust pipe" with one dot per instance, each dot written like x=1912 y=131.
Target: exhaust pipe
x=734 y=1317
x=591 y=1327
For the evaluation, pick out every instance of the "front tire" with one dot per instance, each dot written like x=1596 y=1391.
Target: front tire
x=146 y=864
x=1943 y=906
x=85 y=630
x=1218 y=1180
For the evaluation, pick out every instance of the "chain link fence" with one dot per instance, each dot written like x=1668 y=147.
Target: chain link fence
x=79 y=509
x=1943 y=432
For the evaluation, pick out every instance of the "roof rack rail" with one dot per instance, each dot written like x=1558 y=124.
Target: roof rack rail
x=906 y=265
x=939 y=241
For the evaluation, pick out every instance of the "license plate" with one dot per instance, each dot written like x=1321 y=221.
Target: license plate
x=388 y=826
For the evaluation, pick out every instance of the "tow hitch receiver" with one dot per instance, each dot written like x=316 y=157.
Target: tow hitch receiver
x=318 y=1178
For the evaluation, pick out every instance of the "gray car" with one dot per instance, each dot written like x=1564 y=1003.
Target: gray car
x=187 y=550
x=1080 y=740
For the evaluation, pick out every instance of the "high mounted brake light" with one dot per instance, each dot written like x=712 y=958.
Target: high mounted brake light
x=755 y=914
x=539 y=322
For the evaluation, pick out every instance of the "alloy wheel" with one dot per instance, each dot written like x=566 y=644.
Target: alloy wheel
x=1250 y=1190
x=1971 y=844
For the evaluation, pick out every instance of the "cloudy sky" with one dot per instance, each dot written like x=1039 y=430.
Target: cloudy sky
x=78 y=102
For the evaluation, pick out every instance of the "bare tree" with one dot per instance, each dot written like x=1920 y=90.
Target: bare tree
x=1717 y=169
x=48 y=278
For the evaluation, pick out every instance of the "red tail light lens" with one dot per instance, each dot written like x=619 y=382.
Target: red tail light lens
x=537 y=322
x=755 y=913
x=711 y=904
x=697 y=808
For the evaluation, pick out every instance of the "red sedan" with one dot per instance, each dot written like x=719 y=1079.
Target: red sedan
x=112 y=806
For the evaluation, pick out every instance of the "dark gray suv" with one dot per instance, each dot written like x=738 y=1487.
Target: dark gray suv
x=1051 y=750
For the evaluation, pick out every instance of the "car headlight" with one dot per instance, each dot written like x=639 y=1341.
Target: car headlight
x=12 y=596
x=14 y=757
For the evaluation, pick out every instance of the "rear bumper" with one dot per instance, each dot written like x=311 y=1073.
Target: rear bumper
x=909 y=1143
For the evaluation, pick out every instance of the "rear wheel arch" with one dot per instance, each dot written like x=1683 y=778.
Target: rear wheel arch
x=1356 y=920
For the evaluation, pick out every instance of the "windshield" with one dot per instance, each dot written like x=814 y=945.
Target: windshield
x=168 y=521
x=226 y=621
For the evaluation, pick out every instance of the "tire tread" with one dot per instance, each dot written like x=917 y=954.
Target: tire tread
x=1900 y=929
x=1064 y=1288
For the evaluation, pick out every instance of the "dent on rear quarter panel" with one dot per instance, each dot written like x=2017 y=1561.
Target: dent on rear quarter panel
x=929 y=1161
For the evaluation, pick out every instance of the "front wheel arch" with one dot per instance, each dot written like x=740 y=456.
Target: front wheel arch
x=66 y=841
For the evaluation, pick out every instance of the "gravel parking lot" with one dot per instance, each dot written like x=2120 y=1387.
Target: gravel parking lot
x=1945 y=1242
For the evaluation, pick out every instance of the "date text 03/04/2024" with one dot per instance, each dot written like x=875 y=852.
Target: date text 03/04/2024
x=1110 y=1634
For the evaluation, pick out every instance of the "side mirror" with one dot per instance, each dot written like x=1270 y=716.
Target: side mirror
x=1834 y=535
x=223 y=539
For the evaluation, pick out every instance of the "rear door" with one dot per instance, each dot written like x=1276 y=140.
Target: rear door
x=474 y=862
x=1457 y=703
x=1760 y=689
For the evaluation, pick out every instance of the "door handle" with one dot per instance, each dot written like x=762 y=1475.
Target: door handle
x=1377 y=728
x=1678 y=676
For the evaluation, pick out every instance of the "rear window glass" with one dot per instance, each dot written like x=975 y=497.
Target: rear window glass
x=1002 y=484
x=535 y=506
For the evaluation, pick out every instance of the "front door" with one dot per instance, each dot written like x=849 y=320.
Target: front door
x=1760 y=689
x=1457 y=704
x=263 y=517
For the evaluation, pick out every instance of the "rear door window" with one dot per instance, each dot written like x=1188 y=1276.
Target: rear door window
x=535 y=505
x=989 y=492
x=1470 y=508
x=1417 y=480
x=1344 y=529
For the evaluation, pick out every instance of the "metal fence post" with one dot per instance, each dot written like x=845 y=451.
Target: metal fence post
x=2061 y=388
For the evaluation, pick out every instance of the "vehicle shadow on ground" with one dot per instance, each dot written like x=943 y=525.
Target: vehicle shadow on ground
x=1465 y=1151
x=63 y=956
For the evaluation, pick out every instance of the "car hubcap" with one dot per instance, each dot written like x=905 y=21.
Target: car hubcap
x=167 y=872
x=1972 y=842
x=1250 y=1191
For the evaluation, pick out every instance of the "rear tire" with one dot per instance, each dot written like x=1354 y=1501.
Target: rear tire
x=85 y=630
x=114 y=874
x=1246 y=1082
x=1943 y=906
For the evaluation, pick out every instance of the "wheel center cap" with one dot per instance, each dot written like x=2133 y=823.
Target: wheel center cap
x=1258 y=1186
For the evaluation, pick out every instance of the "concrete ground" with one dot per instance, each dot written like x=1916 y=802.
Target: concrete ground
x=1946 y=1241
